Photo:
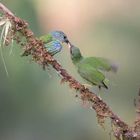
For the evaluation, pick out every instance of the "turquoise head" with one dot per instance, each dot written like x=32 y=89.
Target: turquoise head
x=60 y=36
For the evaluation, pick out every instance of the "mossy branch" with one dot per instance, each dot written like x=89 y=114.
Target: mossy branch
x=34 y=47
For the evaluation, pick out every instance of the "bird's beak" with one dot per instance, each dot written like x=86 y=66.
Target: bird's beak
x=66 y=41
x=70 y=45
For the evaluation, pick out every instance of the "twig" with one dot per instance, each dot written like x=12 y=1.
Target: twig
x=35 y=48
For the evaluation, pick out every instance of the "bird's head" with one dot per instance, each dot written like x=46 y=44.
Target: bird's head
x=74 y=51
x=59 y=35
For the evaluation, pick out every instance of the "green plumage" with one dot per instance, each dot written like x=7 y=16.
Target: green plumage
x=46 y=38
x=53 y=41
x=92 y=68
x=100 y=63
x=51 y=44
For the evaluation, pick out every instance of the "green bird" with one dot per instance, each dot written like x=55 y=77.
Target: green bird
x=53 y=41
x=91 y=68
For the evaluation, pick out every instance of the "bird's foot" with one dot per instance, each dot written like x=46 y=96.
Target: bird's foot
x=99 y=92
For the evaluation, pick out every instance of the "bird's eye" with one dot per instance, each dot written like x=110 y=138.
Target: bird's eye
x=65 y=37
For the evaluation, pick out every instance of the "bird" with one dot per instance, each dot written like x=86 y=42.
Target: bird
x=92 y=69
x=53 y=41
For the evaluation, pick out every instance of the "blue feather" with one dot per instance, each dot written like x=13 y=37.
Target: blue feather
x=53 y=47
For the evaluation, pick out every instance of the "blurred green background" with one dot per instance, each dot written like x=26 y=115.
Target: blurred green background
x=33 y=104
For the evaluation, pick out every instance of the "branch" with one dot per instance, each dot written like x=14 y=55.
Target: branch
x=137 y=105
x=35 y=48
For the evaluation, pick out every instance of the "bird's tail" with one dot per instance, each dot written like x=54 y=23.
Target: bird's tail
x=105 y=83
x=114 y=67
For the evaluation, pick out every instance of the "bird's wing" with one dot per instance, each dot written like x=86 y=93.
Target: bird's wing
x=53 y=47
x=91 y=74
x=46 y=38
x=101 y=63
